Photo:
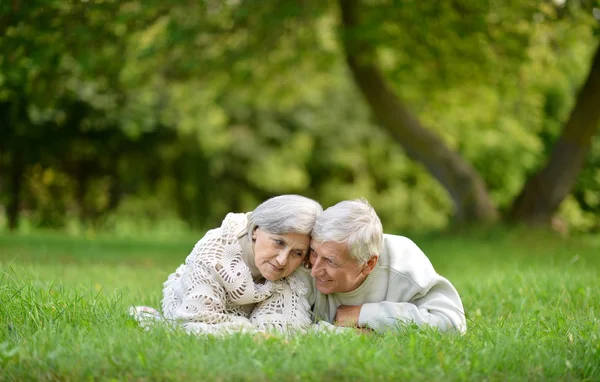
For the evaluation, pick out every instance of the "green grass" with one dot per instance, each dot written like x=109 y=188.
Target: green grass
x=532 y=302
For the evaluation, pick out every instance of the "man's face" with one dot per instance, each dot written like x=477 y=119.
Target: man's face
x=334 y=270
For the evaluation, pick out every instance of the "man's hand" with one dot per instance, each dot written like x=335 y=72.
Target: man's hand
x=347 y=315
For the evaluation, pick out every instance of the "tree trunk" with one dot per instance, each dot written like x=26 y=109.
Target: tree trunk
x=81 y=176
x=544 y=191
x=466 y=188
x=15 y=186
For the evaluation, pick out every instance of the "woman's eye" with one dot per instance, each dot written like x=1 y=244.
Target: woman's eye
x=279 y=242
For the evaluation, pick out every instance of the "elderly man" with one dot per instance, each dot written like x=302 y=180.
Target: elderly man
x=368 y=279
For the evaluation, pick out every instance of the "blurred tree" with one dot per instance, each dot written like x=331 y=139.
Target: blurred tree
x=544 y=191
x=60 y=96
x=464 y=185
x=540 y=197
x=129 y=110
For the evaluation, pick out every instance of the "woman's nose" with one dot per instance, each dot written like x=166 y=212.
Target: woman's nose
x=282 y=257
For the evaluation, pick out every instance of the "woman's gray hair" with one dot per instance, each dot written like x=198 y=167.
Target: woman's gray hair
x=285 y=214
x=355 y=223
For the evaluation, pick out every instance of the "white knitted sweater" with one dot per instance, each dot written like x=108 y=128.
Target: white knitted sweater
x=214 y=292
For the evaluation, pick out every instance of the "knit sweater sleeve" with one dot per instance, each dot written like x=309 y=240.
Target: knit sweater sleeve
x=287 y=309
x=437 y=304
x=213 y=290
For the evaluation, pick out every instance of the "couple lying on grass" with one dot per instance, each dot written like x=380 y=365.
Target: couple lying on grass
x=288 y=265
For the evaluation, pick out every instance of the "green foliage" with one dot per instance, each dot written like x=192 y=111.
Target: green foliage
x=198 y=109
x=530 y=301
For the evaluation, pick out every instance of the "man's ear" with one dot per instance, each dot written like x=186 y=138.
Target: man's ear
x=370 y=265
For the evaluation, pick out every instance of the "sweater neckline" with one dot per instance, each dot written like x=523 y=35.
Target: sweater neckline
x=360 y=288
x=248 y=256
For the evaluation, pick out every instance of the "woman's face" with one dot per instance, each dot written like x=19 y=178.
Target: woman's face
x=277 y=256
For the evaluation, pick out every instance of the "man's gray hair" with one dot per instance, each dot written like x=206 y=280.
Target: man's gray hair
x=285 y=214
x=355 y=223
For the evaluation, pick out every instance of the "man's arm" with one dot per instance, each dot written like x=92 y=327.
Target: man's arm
x=440 y=306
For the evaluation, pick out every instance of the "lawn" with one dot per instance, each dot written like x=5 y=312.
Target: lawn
x=532 y=302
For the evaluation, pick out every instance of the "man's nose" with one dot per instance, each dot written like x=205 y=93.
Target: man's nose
x=316 y=266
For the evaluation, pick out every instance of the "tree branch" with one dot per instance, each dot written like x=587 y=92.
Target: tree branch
x=465 y=186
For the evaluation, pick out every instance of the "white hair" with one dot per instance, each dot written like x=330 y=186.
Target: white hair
x=354 y=223
x=285 y=214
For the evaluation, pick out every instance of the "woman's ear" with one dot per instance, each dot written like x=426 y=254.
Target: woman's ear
x=254 y=234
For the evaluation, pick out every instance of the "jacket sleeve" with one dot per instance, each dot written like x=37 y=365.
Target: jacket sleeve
x=437 y=305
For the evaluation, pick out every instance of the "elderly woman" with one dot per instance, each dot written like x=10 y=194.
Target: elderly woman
x=241 y=275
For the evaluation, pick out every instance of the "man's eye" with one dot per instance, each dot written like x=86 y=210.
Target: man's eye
x=299 y=253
